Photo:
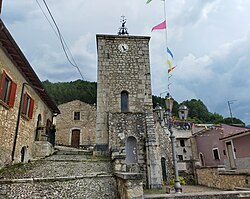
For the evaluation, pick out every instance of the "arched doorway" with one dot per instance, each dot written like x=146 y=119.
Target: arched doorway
x=24 y=154
x=75 y=138
x=163 y=168
x=202 y=159
x=131 y=150
x=38 y=127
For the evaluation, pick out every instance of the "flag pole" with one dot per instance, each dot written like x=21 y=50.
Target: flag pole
x=166 y=38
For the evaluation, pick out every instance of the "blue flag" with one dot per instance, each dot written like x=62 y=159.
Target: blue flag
x=169 y=52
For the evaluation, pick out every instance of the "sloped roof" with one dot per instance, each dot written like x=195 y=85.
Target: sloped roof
x=11 y=48
x=230 y=131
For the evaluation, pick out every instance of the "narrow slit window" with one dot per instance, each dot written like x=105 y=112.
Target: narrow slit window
x=124 y=101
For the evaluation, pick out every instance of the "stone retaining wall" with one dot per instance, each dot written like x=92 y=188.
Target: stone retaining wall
x=210 y=195
x=218 y=178
x=130 y=185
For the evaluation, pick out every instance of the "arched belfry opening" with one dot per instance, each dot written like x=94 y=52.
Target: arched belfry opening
x=124 y=101
x=131 y=150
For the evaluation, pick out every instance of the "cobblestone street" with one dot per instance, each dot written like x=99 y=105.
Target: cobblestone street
x=68 y=174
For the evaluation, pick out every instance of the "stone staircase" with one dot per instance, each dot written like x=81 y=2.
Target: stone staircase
x=69 y=173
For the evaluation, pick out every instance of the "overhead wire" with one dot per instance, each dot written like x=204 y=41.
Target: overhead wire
x=62 y=40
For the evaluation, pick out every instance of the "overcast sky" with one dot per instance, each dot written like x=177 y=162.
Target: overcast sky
x=210 y=40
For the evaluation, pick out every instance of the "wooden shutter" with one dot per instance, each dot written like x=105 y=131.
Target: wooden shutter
x=31 y=108
x=12 y=94
x=2 y=83
x=24 y=103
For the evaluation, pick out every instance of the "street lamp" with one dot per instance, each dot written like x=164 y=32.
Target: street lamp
x=167 y=118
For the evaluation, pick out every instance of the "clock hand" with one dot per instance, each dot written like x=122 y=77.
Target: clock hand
x=123 y=47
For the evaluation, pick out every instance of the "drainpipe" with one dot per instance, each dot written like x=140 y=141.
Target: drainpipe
x=19 y=116
x=18 y=121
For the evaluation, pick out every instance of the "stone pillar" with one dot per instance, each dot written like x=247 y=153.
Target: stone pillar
x=153 y=159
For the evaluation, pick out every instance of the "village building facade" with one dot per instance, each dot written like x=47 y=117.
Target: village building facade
x=26 y=110
x=236 y=142
x=76 y=124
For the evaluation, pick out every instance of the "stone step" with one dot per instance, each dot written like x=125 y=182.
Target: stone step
x=93 y=187
x=57 y=167
x=76 y=152
x=242 y=188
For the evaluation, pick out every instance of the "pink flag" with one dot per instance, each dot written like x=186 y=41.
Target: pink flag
x=160 y=26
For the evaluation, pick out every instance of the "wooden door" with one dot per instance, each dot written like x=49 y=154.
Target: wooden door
x=75 y=138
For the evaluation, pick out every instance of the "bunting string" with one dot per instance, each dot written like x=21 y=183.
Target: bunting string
x=169 y=55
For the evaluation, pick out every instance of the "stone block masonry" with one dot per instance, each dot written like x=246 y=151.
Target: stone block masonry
x=221 y=179
x=66 y=123
x=120 y=71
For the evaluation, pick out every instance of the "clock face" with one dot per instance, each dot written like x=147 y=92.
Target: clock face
x=123 y=47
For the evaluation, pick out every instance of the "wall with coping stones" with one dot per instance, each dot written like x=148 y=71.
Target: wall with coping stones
x=217 y=178
x=130 y=185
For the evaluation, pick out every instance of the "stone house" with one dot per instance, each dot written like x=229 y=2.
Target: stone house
x=223 y=145
x=183 y=145
x=26 y=110
x=210 y=149
x=236 y=142
x=76 y=125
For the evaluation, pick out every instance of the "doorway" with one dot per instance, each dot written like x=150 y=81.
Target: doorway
x=202 y=161
x=24 y=155
x=75 y=138
x=230 y=154
x=164 y=170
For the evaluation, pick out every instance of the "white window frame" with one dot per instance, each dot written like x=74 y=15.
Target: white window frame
x=216 y=148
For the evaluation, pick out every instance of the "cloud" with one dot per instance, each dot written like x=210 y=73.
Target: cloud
x=209 y=38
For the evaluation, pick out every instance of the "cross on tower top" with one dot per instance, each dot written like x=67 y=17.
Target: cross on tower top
x=123 y=30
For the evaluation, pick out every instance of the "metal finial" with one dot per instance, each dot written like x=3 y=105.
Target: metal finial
x=123 y=30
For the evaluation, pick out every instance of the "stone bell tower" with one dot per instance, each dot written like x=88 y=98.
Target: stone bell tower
x=125 y=125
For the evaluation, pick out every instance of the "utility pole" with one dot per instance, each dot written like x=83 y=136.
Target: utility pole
x=230 y=110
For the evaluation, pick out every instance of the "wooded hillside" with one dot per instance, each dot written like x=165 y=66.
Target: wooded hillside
x=62 y=92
